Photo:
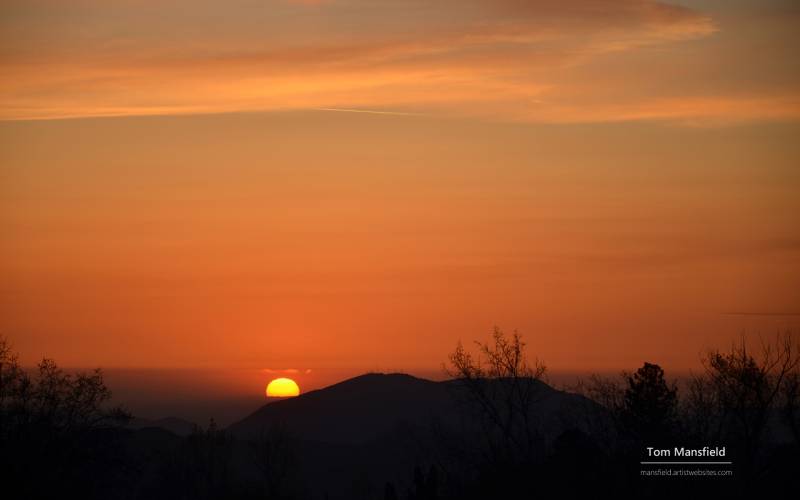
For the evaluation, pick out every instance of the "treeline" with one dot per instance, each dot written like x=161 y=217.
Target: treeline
x=746 y=399
x=59 y=438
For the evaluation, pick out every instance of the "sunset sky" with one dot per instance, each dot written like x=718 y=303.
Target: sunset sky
x=352 y=185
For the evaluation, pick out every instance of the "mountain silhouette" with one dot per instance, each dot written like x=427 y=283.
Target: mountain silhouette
x=362 y=409
x=378 y=426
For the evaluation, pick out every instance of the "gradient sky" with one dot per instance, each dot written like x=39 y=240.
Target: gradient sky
x=353 y=185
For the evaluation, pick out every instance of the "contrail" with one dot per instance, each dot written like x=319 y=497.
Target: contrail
x=742 y=313
x=369 y=111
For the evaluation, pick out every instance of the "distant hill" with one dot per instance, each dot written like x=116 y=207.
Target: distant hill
x=361 y=409
x=375 y=428
x=177 y=426
x=353 y=411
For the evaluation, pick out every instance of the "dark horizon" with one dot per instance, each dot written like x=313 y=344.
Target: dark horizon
x=484 y=431
x=199 y=395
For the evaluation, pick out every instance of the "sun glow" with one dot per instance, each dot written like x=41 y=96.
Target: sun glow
x=282 y=388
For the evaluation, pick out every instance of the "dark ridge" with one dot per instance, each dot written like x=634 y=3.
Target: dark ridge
x=360 y=409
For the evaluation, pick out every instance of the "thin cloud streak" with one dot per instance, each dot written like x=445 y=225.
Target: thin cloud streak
x=760 y=314
x=369 y=111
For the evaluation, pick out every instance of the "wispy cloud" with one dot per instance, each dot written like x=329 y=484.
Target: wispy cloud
x=506 y=59
x=285 y=371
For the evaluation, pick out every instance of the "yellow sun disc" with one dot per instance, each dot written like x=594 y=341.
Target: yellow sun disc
x=282 y=388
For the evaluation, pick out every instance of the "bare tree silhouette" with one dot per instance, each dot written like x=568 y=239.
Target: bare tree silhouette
x=56 y=430
x=273 y=454
x=502 y=387
x=744 y=394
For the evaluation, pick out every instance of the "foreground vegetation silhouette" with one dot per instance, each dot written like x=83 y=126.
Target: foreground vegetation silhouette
x=496 y=429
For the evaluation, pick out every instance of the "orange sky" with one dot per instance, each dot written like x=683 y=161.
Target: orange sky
x=178 y=189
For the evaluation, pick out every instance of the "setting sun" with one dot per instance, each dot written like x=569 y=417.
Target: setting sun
x=282 y=388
